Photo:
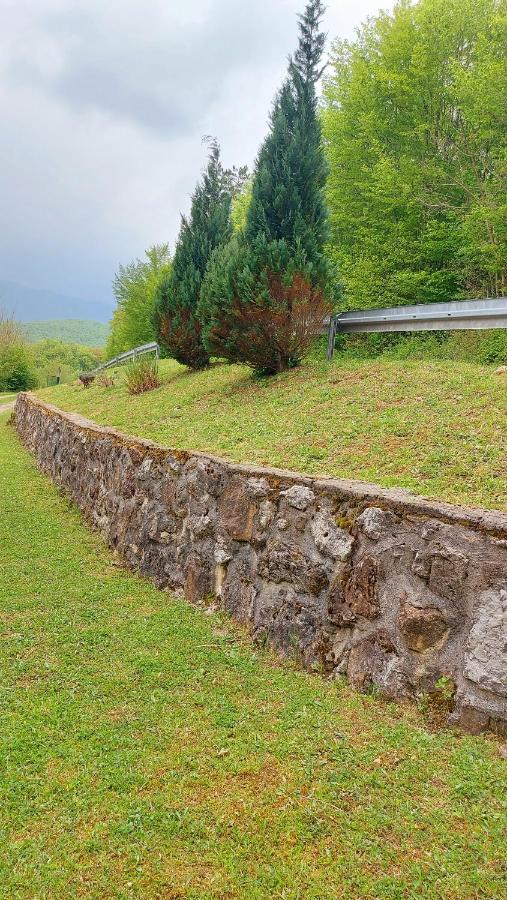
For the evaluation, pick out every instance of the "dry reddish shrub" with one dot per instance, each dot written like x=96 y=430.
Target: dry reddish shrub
x=273 y=336
x=181 y=335
x=142 y=376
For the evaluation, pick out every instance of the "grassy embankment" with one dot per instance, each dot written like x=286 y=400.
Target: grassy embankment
x=438 y=428
x=148 y=751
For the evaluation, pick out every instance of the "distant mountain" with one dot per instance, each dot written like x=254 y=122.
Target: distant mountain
x=74 y=331
x=33 y=305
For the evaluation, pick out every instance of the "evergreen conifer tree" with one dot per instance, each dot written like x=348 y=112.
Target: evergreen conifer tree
x=207 y=228
x=273 y=303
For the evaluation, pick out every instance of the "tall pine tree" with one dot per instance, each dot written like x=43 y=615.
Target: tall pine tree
x=207 y=228
x=270 y=306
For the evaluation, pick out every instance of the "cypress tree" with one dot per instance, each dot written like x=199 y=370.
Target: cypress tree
x=278 y=276
x=207 y=228
x=288 y=200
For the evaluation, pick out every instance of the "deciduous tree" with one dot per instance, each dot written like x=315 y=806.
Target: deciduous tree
x=134 y=287
x=415 y=126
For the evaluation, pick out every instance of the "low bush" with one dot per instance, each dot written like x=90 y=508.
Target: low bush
x=105 y=380
x=260 y=305
x=142 y=375
x=16 y=361
x=488 y=347
x=16 y=368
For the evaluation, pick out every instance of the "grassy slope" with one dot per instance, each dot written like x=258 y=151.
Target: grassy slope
x=437 y=428
x=147 y=751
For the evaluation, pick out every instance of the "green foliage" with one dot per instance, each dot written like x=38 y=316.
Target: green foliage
x=74 y=331
x=415 y=123
x=288 y=188
x=141 y=375
x=240 y=206
x=208 y=227
x=483 y=347
x=135 y=287
x=259 y=304
x=17 y=371
x=264 y=298
x=24 y=366
x=57 y=358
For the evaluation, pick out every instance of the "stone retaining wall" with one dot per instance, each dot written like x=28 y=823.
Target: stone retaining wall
x=381 y=586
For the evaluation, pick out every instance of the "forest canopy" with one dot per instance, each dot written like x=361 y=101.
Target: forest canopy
x=415 y=127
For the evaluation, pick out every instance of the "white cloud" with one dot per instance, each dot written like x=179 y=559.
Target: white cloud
x=103 y=105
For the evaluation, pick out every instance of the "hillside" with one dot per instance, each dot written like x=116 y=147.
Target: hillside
x=438 y=428
x=33 y=305
x=75 y=331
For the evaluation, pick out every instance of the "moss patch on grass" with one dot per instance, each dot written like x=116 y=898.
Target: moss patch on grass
x=148 y=751
x=438 y=428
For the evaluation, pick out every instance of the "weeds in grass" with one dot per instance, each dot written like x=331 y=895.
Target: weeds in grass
x=87 y=379
x=142 y=375
x=105 y=380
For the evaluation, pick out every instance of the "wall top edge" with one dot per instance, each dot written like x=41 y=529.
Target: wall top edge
x=488 y=521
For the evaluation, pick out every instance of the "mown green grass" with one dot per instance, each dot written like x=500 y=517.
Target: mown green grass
x=148 y=751
x=438 y=428
x=6 y=398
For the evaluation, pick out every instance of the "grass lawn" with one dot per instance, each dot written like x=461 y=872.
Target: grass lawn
x=148 y=751
x=6 y=398
x=438 y=428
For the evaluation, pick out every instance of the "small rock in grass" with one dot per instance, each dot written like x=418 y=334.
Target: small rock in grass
x=502 y=370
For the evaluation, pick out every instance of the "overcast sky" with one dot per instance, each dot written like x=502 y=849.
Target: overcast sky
x=103 y=104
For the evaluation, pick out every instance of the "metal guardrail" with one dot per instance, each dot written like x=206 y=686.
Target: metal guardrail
x=153 y=347
x=457 y=314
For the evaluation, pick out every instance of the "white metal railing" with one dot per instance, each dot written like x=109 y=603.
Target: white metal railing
x=121 y=358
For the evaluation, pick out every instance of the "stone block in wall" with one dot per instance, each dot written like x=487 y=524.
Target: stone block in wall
x=198 y=579
x=444 y=569
x=360 y=594
x=290 y=621
x=238 y=589
x=299 y=496
x=237 y=510
x=486 y=648
x=283 y=561
x=372 y=661
x=423 y=628
x=376 y=523
x=331 y=540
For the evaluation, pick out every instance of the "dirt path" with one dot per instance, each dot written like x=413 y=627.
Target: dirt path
x=5 y=407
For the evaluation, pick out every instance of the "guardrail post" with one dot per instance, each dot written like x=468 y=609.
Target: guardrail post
x=331 y=336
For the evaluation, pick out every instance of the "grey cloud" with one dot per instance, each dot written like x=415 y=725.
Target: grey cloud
x=103 y=104
x=161 y=78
